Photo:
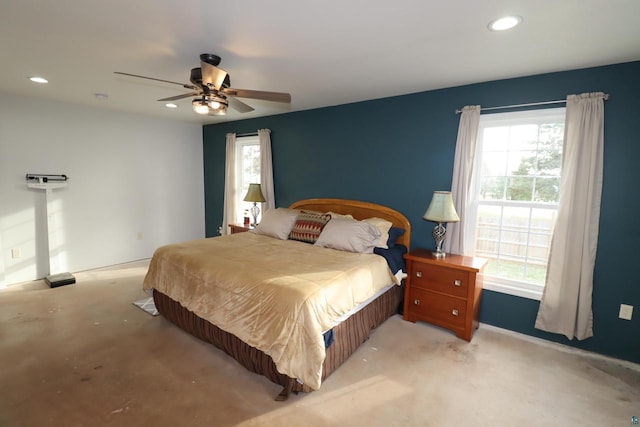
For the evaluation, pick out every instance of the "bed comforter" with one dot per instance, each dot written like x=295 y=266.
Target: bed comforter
x=276 y=295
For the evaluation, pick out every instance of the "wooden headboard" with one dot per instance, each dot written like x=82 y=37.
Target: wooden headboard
x=359 y=210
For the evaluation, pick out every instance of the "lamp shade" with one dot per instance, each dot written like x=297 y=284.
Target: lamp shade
x=441 y=208
x=254 y=194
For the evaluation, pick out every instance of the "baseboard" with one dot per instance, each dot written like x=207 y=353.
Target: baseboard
x=562 y=347
x=115 y=266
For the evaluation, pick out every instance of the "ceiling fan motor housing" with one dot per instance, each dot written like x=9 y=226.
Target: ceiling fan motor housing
x=210 y=58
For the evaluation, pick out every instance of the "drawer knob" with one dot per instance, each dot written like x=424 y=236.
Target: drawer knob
x=457 y=283
x=416 y=301
x=418 y=273
x=454 y=312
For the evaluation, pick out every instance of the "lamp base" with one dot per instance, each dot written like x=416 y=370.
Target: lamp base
x=255 y=211
x=438 y=255
x=438 y=233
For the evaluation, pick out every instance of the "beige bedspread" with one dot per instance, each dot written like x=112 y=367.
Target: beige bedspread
x=278 y=296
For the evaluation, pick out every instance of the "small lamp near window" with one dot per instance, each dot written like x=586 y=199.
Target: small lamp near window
x=441 y=210
x=254 y=194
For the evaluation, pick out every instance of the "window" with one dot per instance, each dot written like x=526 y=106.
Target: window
x=514 y=197
x=247 y=171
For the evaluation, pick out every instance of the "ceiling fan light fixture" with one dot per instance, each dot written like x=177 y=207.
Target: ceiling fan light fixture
x=200 y=106
x=218 y=105
x=211 y=106
x=221 y=110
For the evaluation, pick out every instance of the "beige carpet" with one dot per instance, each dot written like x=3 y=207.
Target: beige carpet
x=84 y=355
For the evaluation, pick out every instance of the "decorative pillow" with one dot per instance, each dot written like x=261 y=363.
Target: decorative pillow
x=383 y=225
x=308 y=226
x=349 y=235
x=394 y=234
x=277 y=223
x=337 y=215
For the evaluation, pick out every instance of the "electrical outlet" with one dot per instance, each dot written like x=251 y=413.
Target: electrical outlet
x=139 y=235
x=16 y=253
x=626 y=311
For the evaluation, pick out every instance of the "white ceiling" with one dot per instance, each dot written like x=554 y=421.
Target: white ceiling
x=323 y=53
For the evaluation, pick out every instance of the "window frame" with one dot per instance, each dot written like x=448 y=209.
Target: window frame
x=538 y=116
x=241 y=188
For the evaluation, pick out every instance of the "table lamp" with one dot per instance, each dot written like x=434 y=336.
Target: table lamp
x=254 y=194
x=441 y=210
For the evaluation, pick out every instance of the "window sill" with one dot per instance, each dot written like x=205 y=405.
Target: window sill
x=492 y=285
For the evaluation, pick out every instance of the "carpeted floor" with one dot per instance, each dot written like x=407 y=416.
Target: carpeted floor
x=85 y=355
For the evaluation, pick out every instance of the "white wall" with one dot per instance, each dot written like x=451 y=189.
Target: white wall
x=135 y=183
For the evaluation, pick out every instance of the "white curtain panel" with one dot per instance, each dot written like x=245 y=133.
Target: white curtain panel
x=230 y=209
x=461 y=182
x=565 y=307
x=266 y=170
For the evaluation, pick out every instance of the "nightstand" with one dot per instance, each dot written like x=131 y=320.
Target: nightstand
x=445 y=292
x=239 y=228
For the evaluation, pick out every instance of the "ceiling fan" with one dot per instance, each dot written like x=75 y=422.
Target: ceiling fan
x=212 y=91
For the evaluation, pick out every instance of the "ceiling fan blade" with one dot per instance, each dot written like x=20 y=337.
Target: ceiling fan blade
x=239 y=106
x=212 y=75
x=184 y=95
x=258 y=94
x=186 y=86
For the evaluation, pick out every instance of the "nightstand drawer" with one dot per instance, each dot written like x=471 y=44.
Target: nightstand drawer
x=436 y=308
x=440 y=279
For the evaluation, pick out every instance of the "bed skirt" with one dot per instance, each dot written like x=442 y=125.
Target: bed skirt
x=348 y=336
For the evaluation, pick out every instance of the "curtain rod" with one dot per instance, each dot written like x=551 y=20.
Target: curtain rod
x=531 y=104
x=247 y=134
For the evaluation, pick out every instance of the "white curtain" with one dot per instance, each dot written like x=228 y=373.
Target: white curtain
x=565 y=307
x=462 y=172
x=266 y=170
x=230 y=209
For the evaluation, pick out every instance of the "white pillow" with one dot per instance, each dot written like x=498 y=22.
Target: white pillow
x=383 y=225
x=349 y=235
x=277 y=223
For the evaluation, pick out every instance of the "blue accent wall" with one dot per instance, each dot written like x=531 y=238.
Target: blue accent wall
x=397 y=151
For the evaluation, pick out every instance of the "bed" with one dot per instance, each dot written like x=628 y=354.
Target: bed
x=343 y=294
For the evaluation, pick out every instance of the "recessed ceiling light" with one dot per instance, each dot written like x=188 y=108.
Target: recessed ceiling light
x=504 y=23
x=38 y=80
x=171 y=105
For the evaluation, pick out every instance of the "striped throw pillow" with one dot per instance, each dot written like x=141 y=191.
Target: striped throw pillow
x=308 y=226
